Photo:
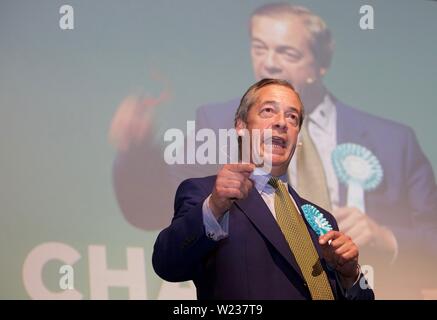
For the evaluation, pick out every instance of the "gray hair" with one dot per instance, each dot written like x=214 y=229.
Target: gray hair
x=322 y=44
x=251 y=97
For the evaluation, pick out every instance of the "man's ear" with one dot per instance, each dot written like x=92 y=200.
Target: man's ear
x=322 y=71
x=240 y=126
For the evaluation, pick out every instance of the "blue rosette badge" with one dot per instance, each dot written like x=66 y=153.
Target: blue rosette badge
x=359 y=169
x=316 y=219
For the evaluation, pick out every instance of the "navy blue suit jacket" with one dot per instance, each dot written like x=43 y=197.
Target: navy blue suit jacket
x=253 y=262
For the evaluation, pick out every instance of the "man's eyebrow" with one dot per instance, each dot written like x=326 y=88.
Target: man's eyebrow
x=272 y=102
x=276 y=105
x=291 y=108
x=257 y=40
x=282 y=49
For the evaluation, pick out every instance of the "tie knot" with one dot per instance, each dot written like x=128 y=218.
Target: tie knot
x=274 y=182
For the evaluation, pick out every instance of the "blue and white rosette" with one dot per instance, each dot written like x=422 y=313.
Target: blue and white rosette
x=316 y=219
x=359 y=169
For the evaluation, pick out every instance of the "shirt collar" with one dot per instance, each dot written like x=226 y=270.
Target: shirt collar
x=324 y=113
x=261 y=179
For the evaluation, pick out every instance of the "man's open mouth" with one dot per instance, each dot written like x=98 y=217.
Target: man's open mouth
x=277 y=142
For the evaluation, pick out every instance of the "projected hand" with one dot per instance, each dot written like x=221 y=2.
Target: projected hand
x=132 y=120
x=364 y=230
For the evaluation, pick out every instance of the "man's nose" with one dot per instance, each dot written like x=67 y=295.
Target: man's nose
x=280 y=122
x=271 y=64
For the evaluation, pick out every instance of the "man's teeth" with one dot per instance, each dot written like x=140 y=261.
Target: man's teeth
x=276 y=141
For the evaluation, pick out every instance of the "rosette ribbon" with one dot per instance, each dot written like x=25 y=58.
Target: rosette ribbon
x=359 y=169
x=316 y=219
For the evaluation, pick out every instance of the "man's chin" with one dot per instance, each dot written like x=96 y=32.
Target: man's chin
x=278 y=154
x=277 y=157
x=279 y=160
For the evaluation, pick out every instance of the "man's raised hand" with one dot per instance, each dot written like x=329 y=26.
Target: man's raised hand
x=232 y=183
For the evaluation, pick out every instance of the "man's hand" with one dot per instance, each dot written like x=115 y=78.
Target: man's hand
x=232 y=183
x=132 y=120
x=363 y=230
x=342 y=255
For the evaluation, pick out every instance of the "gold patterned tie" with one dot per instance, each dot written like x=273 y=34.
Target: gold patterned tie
x=311 y=178
x=298 y=237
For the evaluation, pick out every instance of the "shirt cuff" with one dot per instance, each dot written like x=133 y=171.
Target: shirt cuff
x=353 y=291
x=215 y=230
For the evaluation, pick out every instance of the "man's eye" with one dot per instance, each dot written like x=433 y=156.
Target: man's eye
x=293 y=118
x=291 y=57
x=258 y=49
x=267 y=112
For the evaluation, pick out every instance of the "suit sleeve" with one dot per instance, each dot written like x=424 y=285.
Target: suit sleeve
x=142 y=186
x=180 y=249
x=202 y=120
x=142 y=181
x=422 y=197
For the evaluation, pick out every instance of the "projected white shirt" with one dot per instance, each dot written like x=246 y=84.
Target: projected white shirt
x=322 y=126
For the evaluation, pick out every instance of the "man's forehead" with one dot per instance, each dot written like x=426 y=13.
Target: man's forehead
x=277 y=104
x=281 y=28
x=285 y=22
x=276 y=90
x=277 y=95
x=280 y=16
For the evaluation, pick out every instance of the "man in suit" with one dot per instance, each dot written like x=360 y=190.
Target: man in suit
x=230 y=234
x=397 y=230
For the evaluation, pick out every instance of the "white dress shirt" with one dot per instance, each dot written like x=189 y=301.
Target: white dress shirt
x=322 y=128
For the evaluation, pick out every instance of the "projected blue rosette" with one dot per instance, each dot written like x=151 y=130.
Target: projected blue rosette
x=316 y=219
x=359 y=169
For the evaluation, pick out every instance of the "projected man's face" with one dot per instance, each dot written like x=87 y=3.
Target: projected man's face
x=280 y=48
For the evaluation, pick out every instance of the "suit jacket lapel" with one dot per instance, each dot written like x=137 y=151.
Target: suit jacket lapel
x=259 y=214
x=351 y=128
x=348 y=131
